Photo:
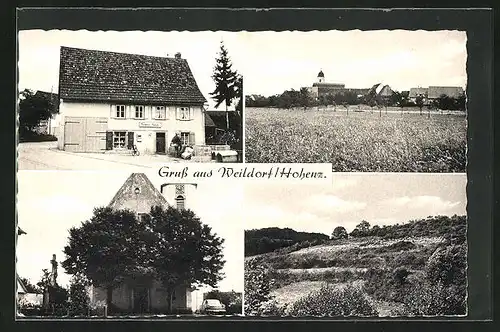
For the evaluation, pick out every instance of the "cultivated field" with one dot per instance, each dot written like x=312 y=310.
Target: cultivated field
x=358 y=140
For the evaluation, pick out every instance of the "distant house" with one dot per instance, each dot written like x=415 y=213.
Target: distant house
x=434 y=92
x=138 y=194
x=110 y=101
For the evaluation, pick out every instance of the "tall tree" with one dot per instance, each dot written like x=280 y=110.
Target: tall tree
x=107 y=249
x=184 y=252
x=33 y=108
x=225 y=79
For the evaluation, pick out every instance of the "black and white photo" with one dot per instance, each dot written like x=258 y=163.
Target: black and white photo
x=114 y=244
x=369 y=101
x=109 y=99
x=368 y=245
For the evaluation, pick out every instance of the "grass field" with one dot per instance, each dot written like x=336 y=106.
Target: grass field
x=358 y=141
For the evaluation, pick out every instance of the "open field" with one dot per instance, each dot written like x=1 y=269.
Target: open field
x=359 y=140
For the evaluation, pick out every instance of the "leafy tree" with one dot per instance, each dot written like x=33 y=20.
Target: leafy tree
x=226 y=80
x=30 y=287
x=339 y=233
x=305 y=98
x=79 y=298
x=460 y=102
x=362 y=229
x=419 y=101
x=107 y=249
x=33 y=108
x=183 y=251
x=257 y=287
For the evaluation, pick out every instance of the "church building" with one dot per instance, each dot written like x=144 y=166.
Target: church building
x=139 y=194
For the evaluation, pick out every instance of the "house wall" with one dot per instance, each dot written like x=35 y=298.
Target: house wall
x=123 y=297
x=144 y=129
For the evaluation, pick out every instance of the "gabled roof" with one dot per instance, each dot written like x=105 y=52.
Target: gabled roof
x=21 y=288
x=381 y=89
x=147 y=197
x=208 y=121
x=414 y=92
x=219 y=118
x=91 y=75
x=450 y=91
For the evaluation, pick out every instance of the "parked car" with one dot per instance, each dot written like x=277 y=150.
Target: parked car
x=212 y=306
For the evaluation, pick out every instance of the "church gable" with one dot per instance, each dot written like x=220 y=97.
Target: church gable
x=137 y=194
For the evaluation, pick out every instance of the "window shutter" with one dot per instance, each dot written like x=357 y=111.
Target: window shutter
x=177 y=113
x=112 y=111
x=130 y=139
x=167 y=112
x=191 y=113
x=191 y=138
x=109 y=140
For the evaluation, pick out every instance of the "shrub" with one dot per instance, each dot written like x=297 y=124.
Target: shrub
x=257 y=287
x=79 y=298
x=425 y=299
x=448 y=266
x=334 y=301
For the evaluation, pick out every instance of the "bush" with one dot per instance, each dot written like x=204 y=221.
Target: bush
x=334 y=301
x=426 y=299
x=35 y=137
x=79 y=298
x=448 y=266
x=257 y=287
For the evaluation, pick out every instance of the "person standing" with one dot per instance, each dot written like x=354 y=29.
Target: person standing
x=176 y=141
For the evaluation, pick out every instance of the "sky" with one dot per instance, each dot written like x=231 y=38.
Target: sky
x=270 y=62
x=51 y=202
x=379 y=198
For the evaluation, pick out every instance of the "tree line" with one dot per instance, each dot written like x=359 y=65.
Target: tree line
x=303 y=98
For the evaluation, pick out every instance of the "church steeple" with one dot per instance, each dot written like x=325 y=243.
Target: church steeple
x=321 y=76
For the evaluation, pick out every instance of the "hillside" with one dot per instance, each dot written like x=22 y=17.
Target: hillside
x=417 y=268
x=259 y=241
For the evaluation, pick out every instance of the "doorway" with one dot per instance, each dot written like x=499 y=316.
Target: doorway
x=141 y=300
x=160 y=143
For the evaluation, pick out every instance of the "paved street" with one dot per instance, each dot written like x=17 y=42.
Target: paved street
x=46 y=156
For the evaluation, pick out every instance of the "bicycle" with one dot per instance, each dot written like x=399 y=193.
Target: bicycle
x=135 y=151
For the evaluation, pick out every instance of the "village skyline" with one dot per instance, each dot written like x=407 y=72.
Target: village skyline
x=353 y=198
x=359 y=59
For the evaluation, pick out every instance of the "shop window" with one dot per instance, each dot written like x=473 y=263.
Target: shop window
x=120 y=111
x=119 y=138
x=160 y=113
x=139 y=112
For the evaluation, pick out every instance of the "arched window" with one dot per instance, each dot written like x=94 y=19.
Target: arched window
x=180 y=202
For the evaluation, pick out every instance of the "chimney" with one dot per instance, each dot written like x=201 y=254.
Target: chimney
x=178 y=55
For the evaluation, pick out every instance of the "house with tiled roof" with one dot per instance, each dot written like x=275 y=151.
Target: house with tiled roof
x=434 y=92
x=111 y=101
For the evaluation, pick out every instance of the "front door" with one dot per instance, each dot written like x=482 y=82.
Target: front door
x=160 y=143
x=141 y=300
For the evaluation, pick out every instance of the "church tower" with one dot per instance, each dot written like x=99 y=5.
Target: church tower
x=321 y=77
x=179 y=192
